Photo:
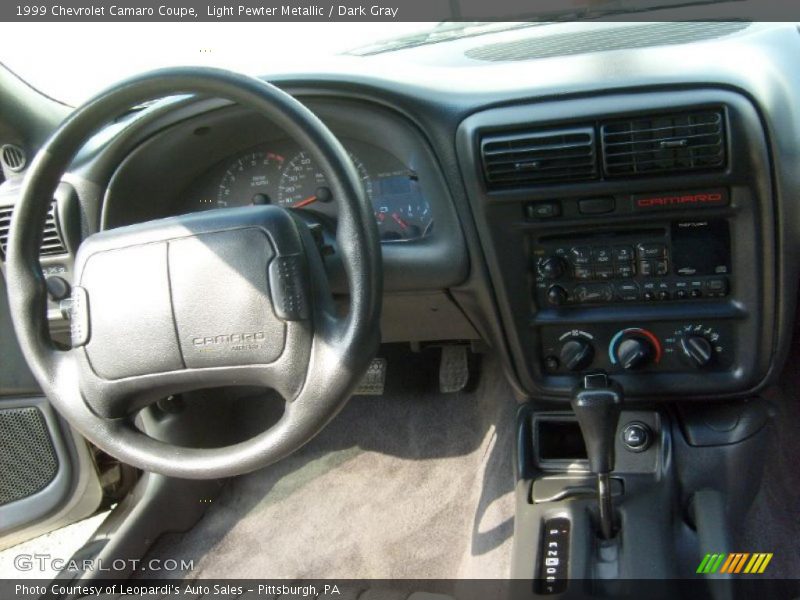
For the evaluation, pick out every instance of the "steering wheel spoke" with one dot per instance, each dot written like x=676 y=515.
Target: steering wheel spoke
x=221 y=298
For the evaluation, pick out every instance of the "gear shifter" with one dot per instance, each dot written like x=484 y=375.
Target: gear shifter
x=597 y=405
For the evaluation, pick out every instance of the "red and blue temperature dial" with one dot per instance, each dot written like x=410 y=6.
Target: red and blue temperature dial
x=634 y=348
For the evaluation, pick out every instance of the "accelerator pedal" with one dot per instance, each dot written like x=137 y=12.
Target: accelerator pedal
x=374 y=381
x=453 y=369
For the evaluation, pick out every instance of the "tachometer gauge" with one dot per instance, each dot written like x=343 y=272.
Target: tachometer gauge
x=302 y=183
x=250 y=180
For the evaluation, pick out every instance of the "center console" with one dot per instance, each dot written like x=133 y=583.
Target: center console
x=631 y=245
x=631 y=233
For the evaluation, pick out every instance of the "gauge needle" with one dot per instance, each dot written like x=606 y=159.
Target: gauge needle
x=305 y=202
x=399 y=221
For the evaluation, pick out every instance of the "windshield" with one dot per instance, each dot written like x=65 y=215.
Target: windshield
x=88 y=57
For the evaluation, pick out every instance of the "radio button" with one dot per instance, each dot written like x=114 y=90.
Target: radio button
x=551 y=267
x=623 y=253
x=582 y=255
x=717 y=287
x=649 y=295
x=663 y=295
x=695 y=293
x=591 y=293
x=681 y=294
x=625 y=271
x=652 y=251
x=606 y=272
x=646 y=268
x=557 y=295
x=628 y=291
x=661 y=267
x=583 y=273
x=601 y=255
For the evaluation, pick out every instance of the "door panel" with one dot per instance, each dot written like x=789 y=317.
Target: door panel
x=47 y=475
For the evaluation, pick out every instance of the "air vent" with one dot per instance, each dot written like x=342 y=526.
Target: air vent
x=664 y=143
x=533 y=157
x=13 y=157
x=51 y=242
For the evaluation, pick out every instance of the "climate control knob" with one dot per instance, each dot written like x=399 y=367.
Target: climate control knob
x=634 y=353
x=697 y=350
x=577 y=354
x=551 y=267
x=634 y=349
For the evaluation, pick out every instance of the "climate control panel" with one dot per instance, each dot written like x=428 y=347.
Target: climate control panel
x=656 y=347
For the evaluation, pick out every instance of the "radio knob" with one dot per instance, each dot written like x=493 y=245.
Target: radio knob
x=576 y=354
x=556 y=295
x=697 y=349
x=551 y=267
x=635 y=353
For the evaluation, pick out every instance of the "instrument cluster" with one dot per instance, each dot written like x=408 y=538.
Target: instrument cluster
x=285 y=174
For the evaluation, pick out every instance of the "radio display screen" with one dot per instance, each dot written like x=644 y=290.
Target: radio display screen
x=701 y=247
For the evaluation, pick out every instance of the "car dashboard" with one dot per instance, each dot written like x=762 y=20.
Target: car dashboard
x=629 y=210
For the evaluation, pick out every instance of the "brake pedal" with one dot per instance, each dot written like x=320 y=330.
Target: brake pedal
x=453 y=369
x=374 y=381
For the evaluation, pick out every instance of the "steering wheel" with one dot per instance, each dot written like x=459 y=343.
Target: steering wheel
x=223 y=297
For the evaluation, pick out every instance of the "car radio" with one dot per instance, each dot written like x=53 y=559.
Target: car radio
x=679 y=260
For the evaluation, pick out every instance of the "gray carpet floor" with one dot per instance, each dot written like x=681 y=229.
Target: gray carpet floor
x=773 y=521
x=411 y=484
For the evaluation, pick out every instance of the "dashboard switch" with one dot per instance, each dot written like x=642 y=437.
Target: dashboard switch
x=697 y=349
x=637 y=436
x=647 y=251
x=287 y=285
x=57 y=288
x=557 y=295
x=592 y=293
x=551 y=267
x=596 y=206
x=543 y=210
x=577 y=354
x=634 y=348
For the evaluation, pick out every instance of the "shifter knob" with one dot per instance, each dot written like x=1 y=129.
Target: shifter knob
x=597 y=405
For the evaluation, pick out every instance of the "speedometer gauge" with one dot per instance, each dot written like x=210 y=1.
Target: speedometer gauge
x=302 y=183
x=249 y=180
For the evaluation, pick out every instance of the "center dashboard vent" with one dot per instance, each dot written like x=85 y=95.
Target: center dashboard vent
x=539 y=156
x=52 y=242
x=663 y=143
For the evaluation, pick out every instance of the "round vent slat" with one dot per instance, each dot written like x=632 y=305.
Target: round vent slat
x=13 y=157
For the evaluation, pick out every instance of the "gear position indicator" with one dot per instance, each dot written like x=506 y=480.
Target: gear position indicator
x=554 y=557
